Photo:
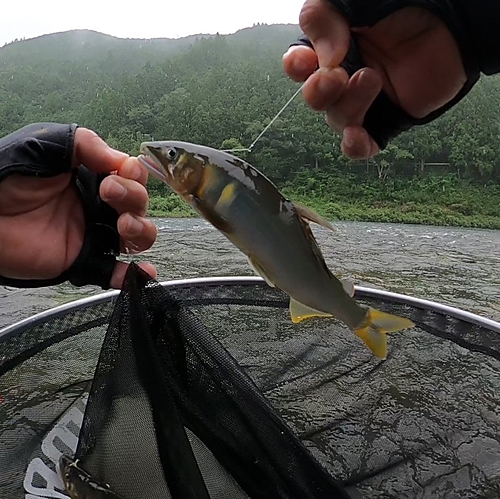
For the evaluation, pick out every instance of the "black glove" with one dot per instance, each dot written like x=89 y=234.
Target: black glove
x=46 y=150
x=385 y=120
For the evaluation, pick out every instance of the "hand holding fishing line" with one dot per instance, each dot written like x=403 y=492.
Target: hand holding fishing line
x=409 y=54
x=45 y=221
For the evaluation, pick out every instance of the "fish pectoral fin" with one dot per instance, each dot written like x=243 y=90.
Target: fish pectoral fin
x=260 y=271
x=299 y=312
x=310 y=215
x=377 y=325
x=211 y=216
x=348 y=287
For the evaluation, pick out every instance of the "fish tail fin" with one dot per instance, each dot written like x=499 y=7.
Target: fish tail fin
x=377 y=325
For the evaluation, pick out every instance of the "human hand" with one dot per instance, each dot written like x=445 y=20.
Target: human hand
x=410 y=55
x=42 y=220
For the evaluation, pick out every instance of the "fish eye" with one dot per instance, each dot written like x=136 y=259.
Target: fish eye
x=171 y=153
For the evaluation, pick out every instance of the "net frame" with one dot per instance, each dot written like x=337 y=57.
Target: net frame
x=360 y=292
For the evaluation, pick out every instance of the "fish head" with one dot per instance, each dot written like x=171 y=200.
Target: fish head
x=174 y=163
x=68 y=472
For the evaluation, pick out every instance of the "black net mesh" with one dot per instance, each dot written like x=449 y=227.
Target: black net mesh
x=209 y=391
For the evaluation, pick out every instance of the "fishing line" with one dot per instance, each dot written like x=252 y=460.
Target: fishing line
x=252 y=145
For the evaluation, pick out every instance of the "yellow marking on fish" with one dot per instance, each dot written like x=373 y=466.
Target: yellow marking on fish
x=299 y=312
x=373 y=332
x=227 y=196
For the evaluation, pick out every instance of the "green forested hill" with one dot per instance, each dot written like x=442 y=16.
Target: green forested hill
x=222 y=90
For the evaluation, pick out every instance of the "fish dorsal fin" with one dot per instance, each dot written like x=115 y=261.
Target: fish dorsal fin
x=260 y=271
x=314 y=244
x=299 y=312
x=311 y=216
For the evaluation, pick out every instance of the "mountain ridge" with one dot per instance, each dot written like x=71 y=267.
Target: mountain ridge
x=81 y=44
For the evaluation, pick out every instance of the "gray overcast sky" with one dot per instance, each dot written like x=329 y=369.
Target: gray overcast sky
x=146 y=19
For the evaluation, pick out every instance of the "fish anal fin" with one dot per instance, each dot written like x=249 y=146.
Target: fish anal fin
x=308 y=214
x=377 y=325
x=260 y=271
x=300 y=312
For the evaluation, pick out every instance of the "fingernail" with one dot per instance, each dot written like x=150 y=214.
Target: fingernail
x=348 y=141
x=134 y=226
x=116 y=190
x=134 y=170
x=363 y=79
x=132 y=249
x=300 y=64
x=367 y=80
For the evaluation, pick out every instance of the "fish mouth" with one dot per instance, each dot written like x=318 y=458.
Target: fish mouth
x=152 y=167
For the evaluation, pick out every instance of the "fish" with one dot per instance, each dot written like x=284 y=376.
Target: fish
x=79 y=484
x=272 y=231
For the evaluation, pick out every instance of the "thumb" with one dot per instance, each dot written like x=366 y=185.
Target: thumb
x=327 y=30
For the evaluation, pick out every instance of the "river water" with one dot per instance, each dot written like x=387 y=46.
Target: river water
x=424 y=423
x=454 y=266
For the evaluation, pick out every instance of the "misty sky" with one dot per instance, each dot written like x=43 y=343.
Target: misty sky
x=146 y=19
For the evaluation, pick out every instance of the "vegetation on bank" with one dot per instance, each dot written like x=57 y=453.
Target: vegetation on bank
x=221 y=91
x=434 y=200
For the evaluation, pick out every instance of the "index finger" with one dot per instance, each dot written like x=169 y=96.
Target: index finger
x=91 y=151
x=327 y=30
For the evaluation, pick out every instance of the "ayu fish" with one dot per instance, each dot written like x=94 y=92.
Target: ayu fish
x=80 y=485
x=272 y=231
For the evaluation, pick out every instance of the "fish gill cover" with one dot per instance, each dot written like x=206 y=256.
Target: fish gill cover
x=208 y=391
